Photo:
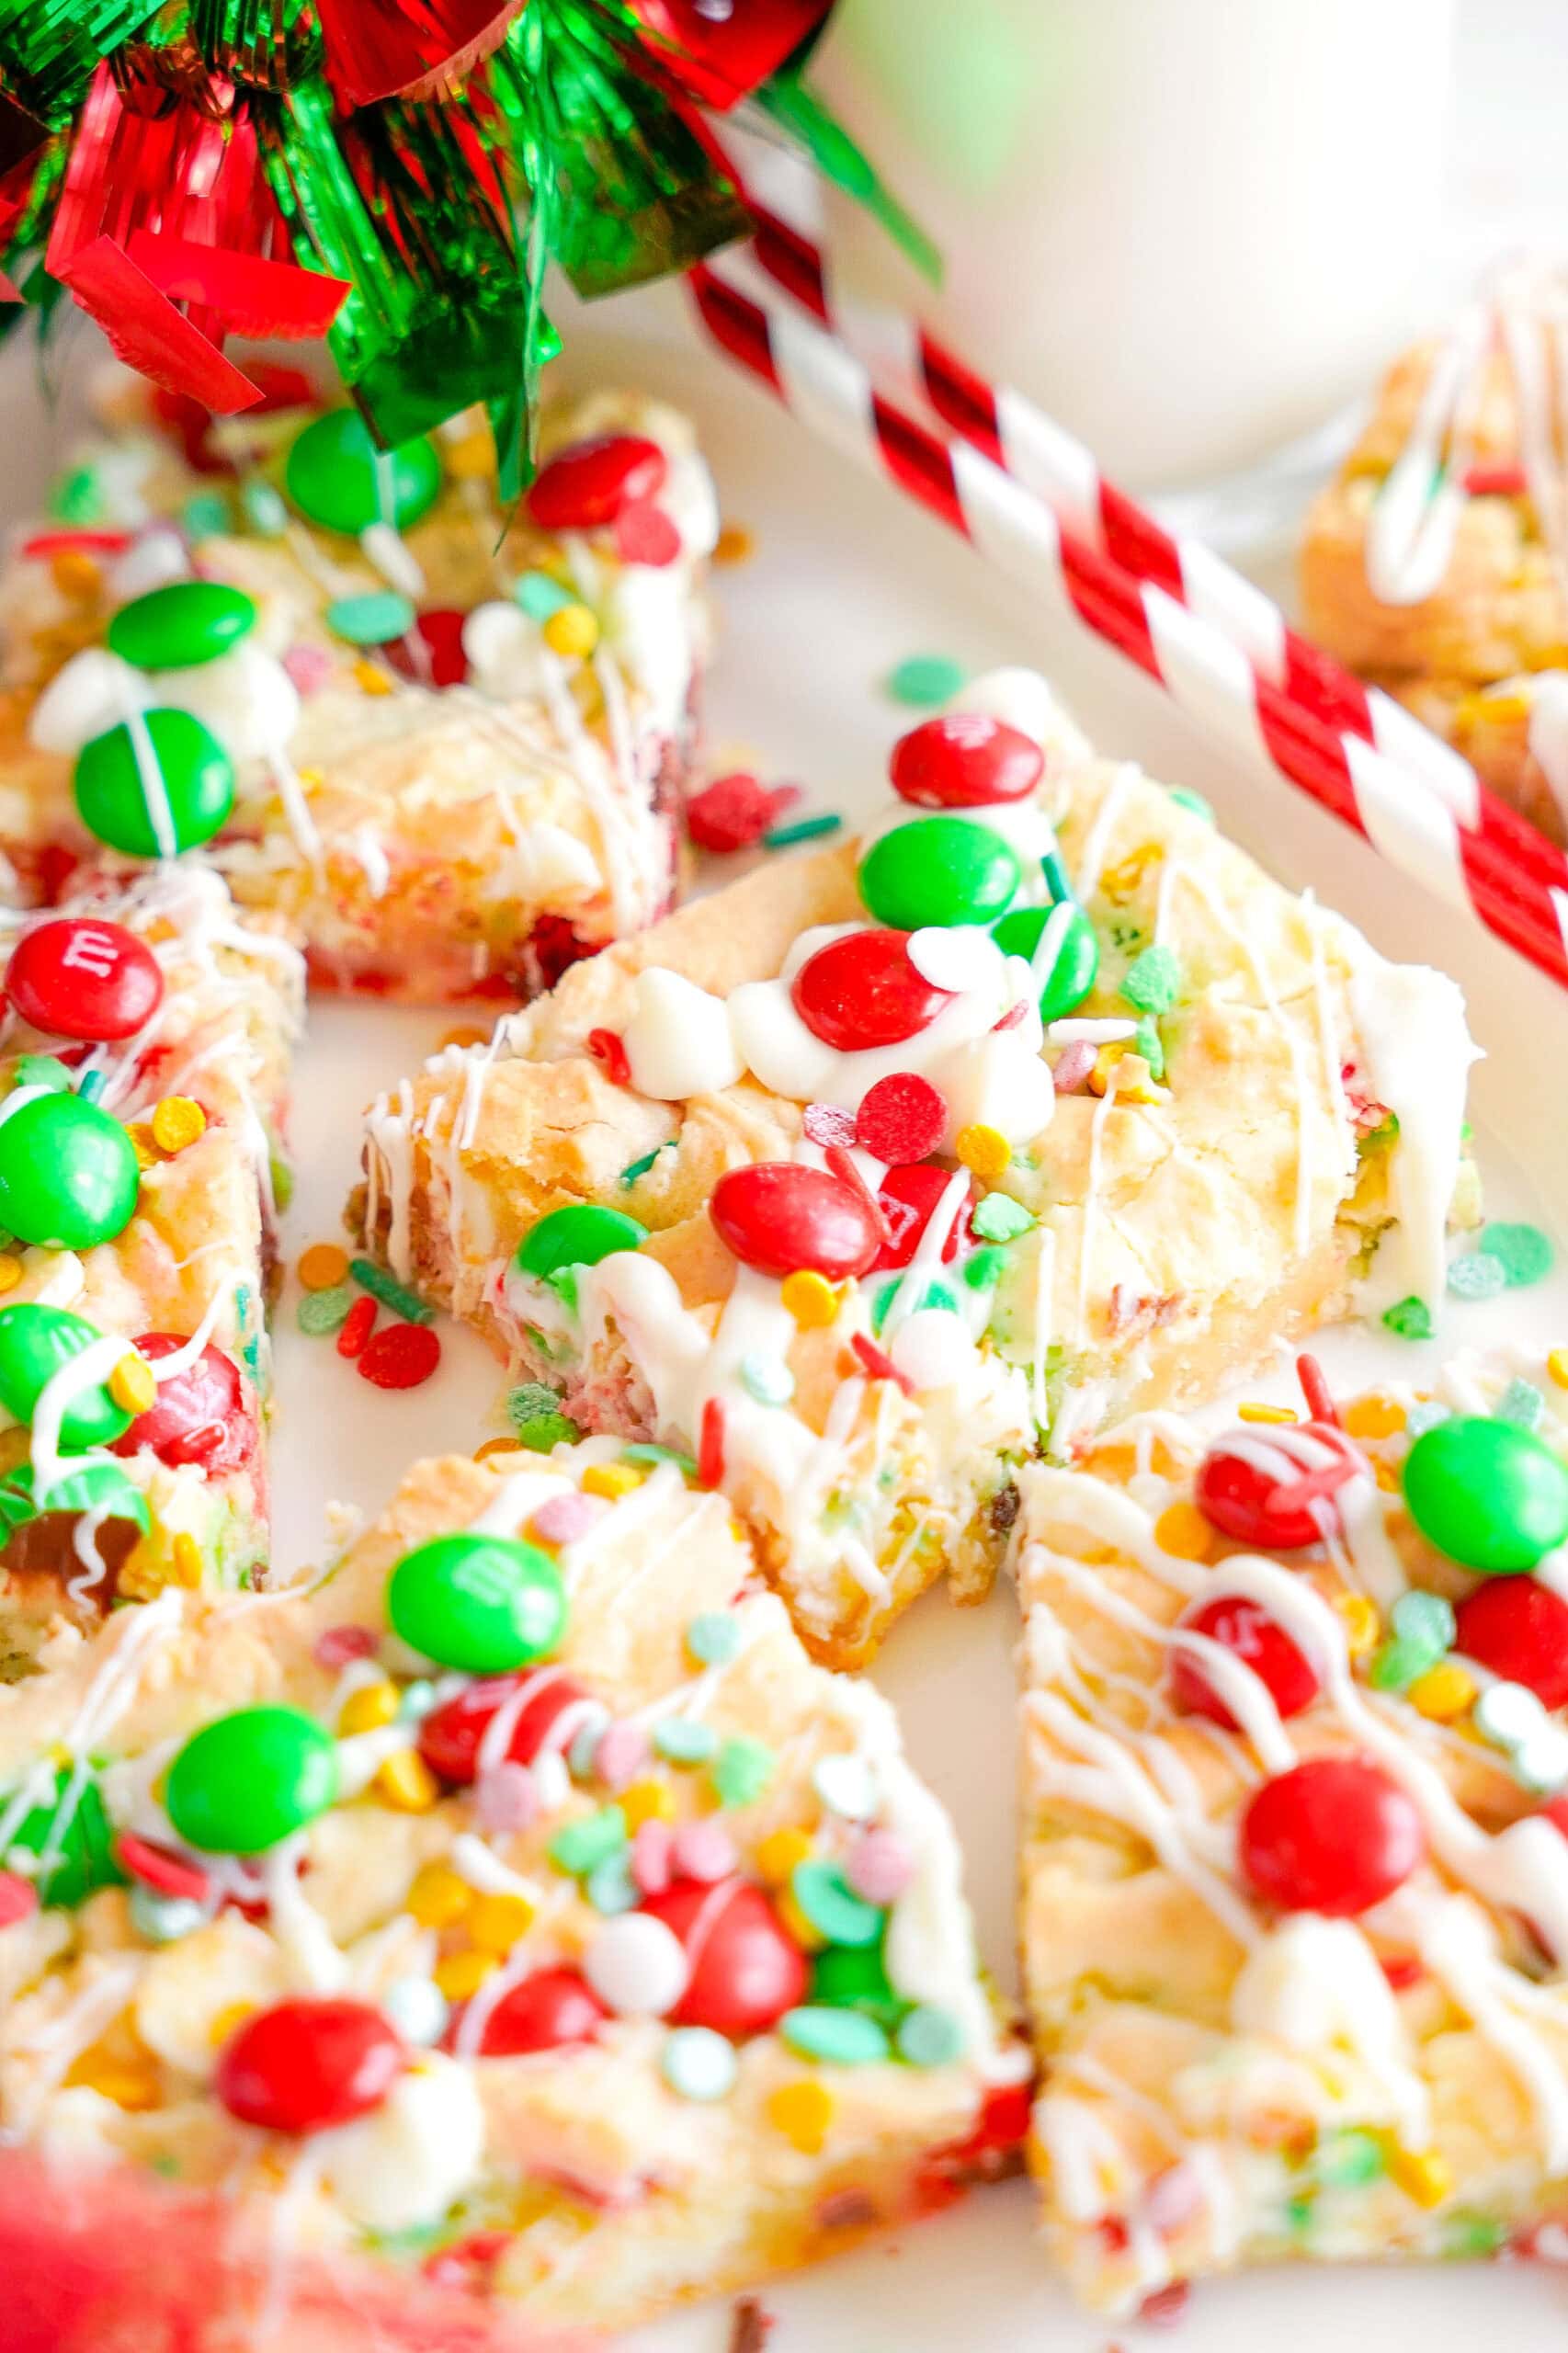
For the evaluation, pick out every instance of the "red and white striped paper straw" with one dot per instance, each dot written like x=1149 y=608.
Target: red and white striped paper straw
x=823 y=382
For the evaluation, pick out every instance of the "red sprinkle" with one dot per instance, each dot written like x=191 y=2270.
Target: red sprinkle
x=825 y=1124
x=338 y=1645
x=1321 y=1406
x=1071 y=1070
x=156 y=1868
x=1402 y=1970
x=48 y=544
x=607 y=1047
x=1164 y=2306
x=902 y=1119
x=732 y=813
x=357 y=1327
x=400 y=1356
x=711 y=1444
x=645 y=534
x=469 y=2263
x=18 y=1898
x=879 y=1365
x=1013 y=1016
x=437 y=659
x=1496 y=481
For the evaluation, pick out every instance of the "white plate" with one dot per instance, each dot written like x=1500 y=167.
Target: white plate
x=848 y=580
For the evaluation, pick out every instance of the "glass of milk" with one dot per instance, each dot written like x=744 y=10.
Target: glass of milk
x=1188 y=228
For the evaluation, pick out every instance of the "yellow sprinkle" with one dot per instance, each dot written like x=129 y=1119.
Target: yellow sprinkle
x=188 y=1561
x=1105 y=1063
x=459 y=1974
x=133 y=2087
x=778 y=1854
x=439 y=1897
x=142 y=1575
x=1119 y=882
x=497 y=1922
x=1268 y=1413
x=323 y=1266
x=1500 y=711
x=131 y=1384
x=406 y=1783
x=10 y=1270
x=371 y=680
x=647 y=1801
x=471 y=457
x=1386 y=1475
x=985 y=1151
x=178 y=1121
x=809 y=1298
x=1444 y=1692
x=803 y=2112
x=809 y=1939
x=572 y=630
x=1182 y=1531
x=1373 y=1416
x=611 y=1480
x=735 y=544
x=466 y=1034
x=496 y=1446
x=366 y=1710
x=1557 y=1365
x=1423 y=2174
x=1362 y=1626
x=227 y=2020
x=146 y=1151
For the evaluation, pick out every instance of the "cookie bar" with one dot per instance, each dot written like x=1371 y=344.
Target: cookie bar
x=596 y=1956
x=444 y=739
x=144 y=1072
x=1295 y=1891
x=863 y=1178
x=1436 y=563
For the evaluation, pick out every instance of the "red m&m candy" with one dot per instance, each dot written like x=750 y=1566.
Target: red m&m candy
x=964 y=760
x=438 y=658
x=450 y=1736
x=1269 y=1487
x=1335 y=1835
x=744 y=1969
x=1240 y=1625
x=862 y=991
x=303 y=2065
x=907 y=1197
x=1520 y=1630
x=75 y=977
x=199 y=1417
x=779 y=1216
x=584 y=487
x=544 y=2012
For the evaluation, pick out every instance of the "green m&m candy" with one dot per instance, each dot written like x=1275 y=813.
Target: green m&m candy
x=485 y=1604
x=1073 y=959
x=35 y=1342
x=242 y=1784
x=1487 y=1493
x=939 y=871
x=68 y=1173
x=176 y=626
x=190 y=777
x=579 y=1236
x=100 y=1487
x=69 y=1831
x=337 y=476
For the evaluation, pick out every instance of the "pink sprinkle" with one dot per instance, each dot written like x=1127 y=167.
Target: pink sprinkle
x=622 y=1753
x=18 y=1897
x=825 y=1124
x=309 y=666
x=1173 y=2198
x=880 y=1867
x=504 y=1798
x=1166 y=2306
x=1072 y=1066
x=565 y=1518
x=650 y=1847
x=340 y=1645
x=704 y=1850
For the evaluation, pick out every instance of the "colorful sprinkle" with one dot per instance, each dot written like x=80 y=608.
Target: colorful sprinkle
x=540 y=595
x=389 y=1291
x=713 y=1637
x=902 y=1118
x=1184 y=798
x=561 y=1519
x=371 y=619
x=1478 y=1276
x=357 y=1327
x=543 y=1433
x=1152 y=981
x=812 y=1300
x=730 y=813
x=621 y=1754
x=322 y=1266
x=684 y=1740
x=401 y=1356
x=741 y=1771
x=610 y=1886
x=1523 y=1402
x=1411 y=1318
x=923 y=680
x=829 y=1901
x=580 y=1846
x=703 y=1850
x=1524 y=1252
x=803 y=829
x=177 y=1121
x=928 y=2036
x=321 y=1311
x=985 y=1151
x=880 y=1867
x=839 y=2038
x=571 y=632
x=998 y=1217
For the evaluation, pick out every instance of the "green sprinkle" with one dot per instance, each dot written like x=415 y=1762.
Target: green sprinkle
x=264 y=510
x=1418 y=1616
x=766 y=1378
x=982 y=1269
x=804 y=829
x=1423 y=1415
x=529 y=1402
x=206 y=515
x=929 y=2036
x=283 y=1176
x=635 y=1168
x=546 y=1432
x=579 y=1848
x=609 y=1886
x=1395 y=1665
x=320 y=1312
x=1348 y=2160
x=540 y=595
x=923 y=680
x=1299 y=2213
x=389 y=1291
x=713 y=1637
x=1151 y=1045
x=1184 y=798
x=372 y=618
x=1411 y=1318
x=1467 y=2237
x=1523 y=1402
x=1152 y=981
x=644 y=1450
x=832 y=1907
x=741 y=1771
x=1478 y=1276
x=683 y=1740
x=1524 y=1252
x=42 y=1070
x=840 y=2038
x=77 y=496
x=934 y=1294
x=999 y=1218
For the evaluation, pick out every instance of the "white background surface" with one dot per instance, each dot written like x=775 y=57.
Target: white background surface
x=847 y=583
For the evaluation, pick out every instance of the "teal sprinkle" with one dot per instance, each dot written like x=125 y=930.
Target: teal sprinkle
x=1524 y=1252
x=1523 y=1402
x=609 y=1886
x=42 y=1070
x=1411 y=1318
x=529 y=1402
x=540 y=595
x=320 y=1312
x=635 y=1168
x=77 y=496
x=644 y=1450
x=206 y=515
x=713 y=1637
x=1348 y=2160
x=372 y=618
x=839 y=2038
x=923 y=680
x=999 y=1218
x=766 y=1378
x=804 y=829
x=832 y=1907
x=546 y=1432
x=929 y=2036
x=682 y=1740
x=1418 y=1616
x=982 y=1269
x=1058 y=882
x=579 y=1848
x=1151 y=1045
x=91 y=1085
x=1478 y=1276
x=1423 y=1415
x=389 y=1292
x=1184 y=798
x=741 y=1771
x=264 y=510
x=1152 y=981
